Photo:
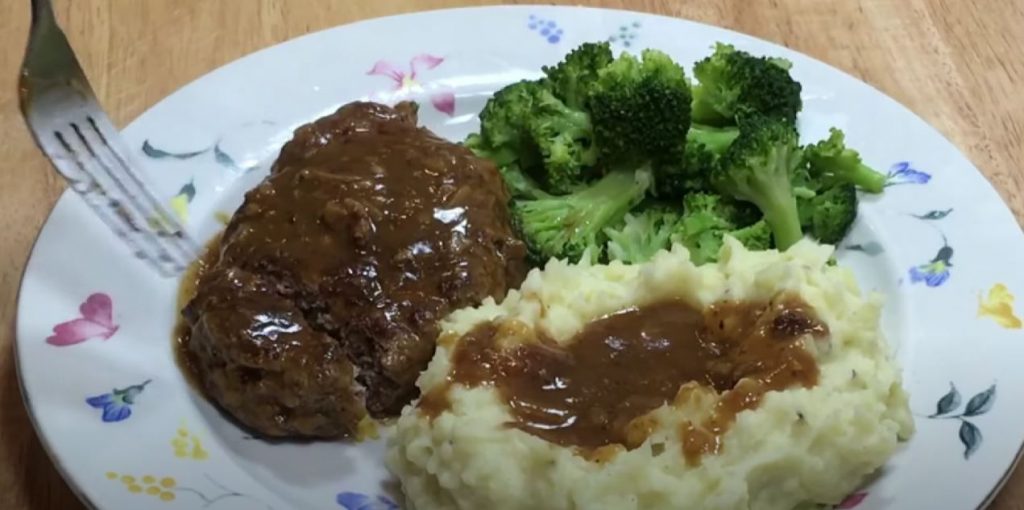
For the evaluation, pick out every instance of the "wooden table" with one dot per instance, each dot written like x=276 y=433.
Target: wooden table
x=953 y=63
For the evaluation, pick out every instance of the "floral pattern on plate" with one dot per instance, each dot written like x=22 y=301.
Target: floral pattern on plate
x=979 y=404
x=187 y=445
x=96 y=321
x=548 y=29
x=935 y=272
x=117 y=404
x=167 y=489
x=359 y=501
x=626 y=34
x=998 y=306
x=219 y=155
x=405 y=81
x=903 y=173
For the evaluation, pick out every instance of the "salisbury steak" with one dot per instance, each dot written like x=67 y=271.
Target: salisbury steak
x=322 y=305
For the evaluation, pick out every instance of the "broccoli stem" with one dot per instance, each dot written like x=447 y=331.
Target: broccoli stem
x=701 y=111
x=852 y=170
x=867 y=179
x=609 y=199
x=781 y=214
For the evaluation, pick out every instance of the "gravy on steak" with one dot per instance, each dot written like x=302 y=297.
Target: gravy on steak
x=320 y=307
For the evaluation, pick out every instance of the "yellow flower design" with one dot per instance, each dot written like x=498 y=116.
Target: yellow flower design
x=998 y=305
x=161 y=489
x=178 y=205
x=188 y=445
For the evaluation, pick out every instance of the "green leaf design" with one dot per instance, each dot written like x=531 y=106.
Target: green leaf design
x=981 y=403
x=870 y=249
x=189 y=190
x=225 y=159
x=970 y=436
x=933 y=215
x=948 y=403
x=128 y=395
x=155 y=153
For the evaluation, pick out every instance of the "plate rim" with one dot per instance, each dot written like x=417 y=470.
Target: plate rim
x=70 y=479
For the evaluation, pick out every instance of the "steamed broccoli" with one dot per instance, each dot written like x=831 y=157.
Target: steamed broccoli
x=714 y=139
x=504 y=126
x=757 y=168
x=735 y=212
x=830 y=159
x=707 y=218
x=519 y=184
x=828 y=215
x=704 y=146
x=618 y=157
x=564 y=227
x=757 y=236
x=641 y=235
x=526 y=125
x=733 y=82
x=563 y=137
x=701 y=233
x=575 y=75
x=640 y=109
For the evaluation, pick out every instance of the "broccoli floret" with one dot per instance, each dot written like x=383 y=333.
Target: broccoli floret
x=736 y=213
x=701 y=231
x=504 y=126
x=830 y=159
x=733 y=82
x=519 y=184
x=640 y=110
x=675 y=179
x=828 y=215
x=708 y=217
x=563 y=136
x=757 y=236
x=704 y=146
x=757 y=168
x=640 y=236
x=526 y=125
x=714 y=139
x=564 y=227
x=573 y=77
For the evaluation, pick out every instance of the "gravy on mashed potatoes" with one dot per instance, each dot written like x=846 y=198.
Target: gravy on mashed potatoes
x=591 y=393
x=760 y=382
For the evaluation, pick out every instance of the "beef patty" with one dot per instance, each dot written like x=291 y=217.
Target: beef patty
x=322 y=303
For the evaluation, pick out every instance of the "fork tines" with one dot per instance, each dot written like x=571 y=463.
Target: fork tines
x=86 y=149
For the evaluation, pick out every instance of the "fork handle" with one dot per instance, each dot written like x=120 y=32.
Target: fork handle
x=42 y=11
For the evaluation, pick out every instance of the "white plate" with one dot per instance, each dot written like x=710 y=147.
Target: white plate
x=127 y=431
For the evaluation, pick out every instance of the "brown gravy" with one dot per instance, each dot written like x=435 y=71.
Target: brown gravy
x=590 y=393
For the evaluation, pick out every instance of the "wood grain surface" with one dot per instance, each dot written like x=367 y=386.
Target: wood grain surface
x=958 y=64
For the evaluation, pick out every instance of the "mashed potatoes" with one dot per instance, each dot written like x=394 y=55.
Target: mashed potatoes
x=799 y=447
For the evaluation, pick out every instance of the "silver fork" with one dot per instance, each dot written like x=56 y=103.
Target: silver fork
x=70 y=127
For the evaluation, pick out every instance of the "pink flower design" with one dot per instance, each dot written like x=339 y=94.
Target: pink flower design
x=97 y=321
x=405 y=82
x=852 y=500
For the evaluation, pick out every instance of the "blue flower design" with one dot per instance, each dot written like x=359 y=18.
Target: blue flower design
x=936 y=272
x=117 y=405
x=902 y=173
x=626 y=34
x=548 y=29
x=357 y=501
